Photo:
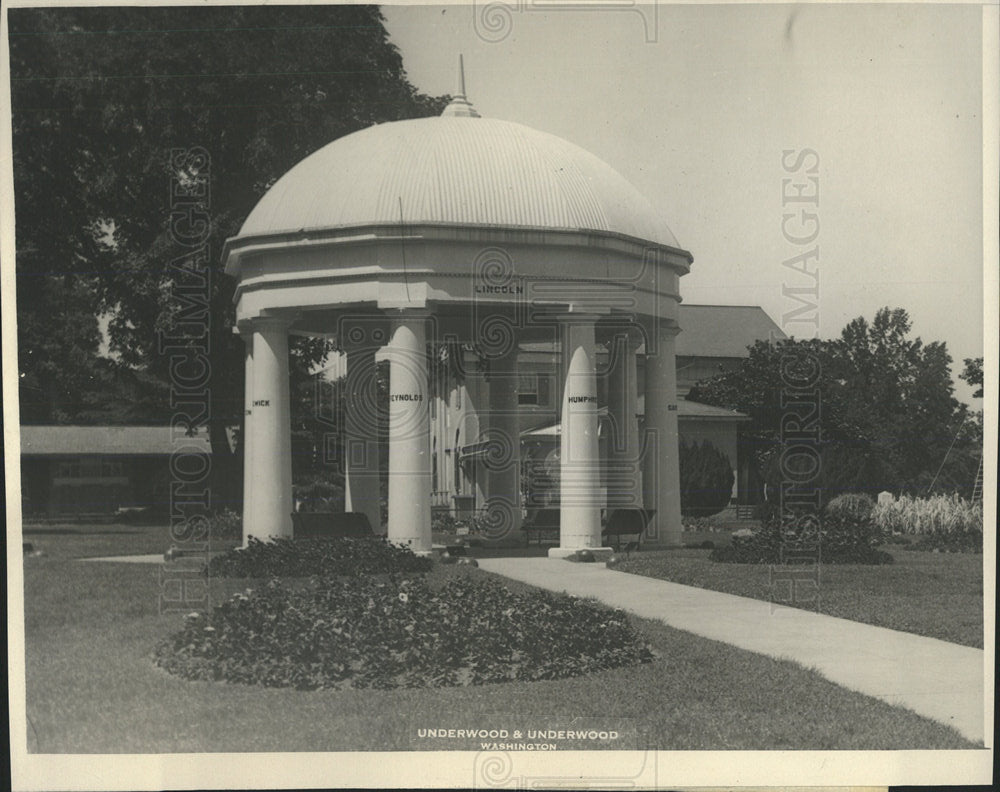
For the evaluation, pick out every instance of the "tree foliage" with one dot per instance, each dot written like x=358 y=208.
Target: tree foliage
x=887 y=418
x=706 y=479
x=100 y=98
x=973 y=374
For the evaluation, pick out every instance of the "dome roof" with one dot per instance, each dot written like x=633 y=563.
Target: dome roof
x=455 y=170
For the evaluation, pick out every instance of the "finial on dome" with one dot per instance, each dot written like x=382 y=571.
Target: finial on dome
x=459 y=105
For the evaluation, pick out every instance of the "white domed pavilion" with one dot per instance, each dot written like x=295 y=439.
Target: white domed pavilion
x=407 y=235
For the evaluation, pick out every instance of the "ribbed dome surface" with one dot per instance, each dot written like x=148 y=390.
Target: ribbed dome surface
x=455 y=171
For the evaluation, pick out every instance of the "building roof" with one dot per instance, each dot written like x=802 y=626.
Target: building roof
x=723 y=330
x=685 y=409
x=455 y=170
x=697 y=410
x=107 y=440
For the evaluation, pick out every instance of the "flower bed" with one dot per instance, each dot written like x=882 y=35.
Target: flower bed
x=372 y=633
x=305 y=557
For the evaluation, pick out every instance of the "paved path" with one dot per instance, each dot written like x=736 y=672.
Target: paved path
x=153 y=558
x=937 y=679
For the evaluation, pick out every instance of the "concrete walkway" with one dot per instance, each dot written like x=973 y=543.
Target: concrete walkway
x=936 y=679
x=153 y=558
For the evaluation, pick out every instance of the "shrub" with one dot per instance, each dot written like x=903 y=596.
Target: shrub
x=706 y=479
x=848 y=531
x=690 y=523
x=303 y=557
x=941 y=514
x=850 y=506
x=956 y=542
x=371 y=633
x=759 y=547
x=444 y=522
x=318 y=495
x=226 y=524
x=804 y=537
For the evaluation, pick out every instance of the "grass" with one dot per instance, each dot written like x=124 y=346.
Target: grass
x=92 y=687
x=939 y=595
x=80 y=540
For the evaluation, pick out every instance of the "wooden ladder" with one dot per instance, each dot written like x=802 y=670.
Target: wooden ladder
x=977 y=488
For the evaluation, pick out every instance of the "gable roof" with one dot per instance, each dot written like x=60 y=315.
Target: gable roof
x=135 y=440
x=723 y=330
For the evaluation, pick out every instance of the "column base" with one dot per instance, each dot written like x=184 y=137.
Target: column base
x=600 y=553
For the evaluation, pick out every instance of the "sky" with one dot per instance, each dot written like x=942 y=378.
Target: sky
x=695 y=105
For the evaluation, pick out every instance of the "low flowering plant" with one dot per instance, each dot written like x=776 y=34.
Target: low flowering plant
x=400 y=632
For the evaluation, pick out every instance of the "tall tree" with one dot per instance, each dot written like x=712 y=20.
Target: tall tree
x=900 y=393
x=102 y=96
x=888 y=416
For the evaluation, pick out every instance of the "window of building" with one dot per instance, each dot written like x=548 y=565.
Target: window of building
x=533 y=389
x=112 y=468
x=90 y=468
x=69 y=469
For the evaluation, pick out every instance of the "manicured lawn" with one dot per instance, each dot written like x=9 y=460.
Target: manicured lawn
x=81 y=540
x=939 y=595
x=92 y=687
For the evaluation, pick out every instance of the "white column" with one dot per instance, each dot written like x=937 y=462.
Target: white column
x=624 y=475
x=475 y=419
x=579 y=462
x=661 y=468
x=409 y=434
x=361 y=451
x=269 y=507
x=247 y=437
x=503 y=455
